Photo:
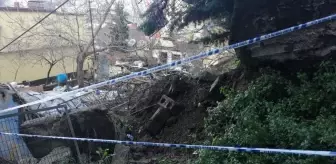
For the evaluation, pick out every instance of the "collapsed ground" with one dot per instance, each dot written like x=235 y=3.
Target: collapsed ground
x=269 y=107
x=264 y=108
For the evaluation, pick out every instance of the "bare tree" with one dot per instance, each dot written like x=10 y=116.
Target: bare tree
x=64 y=30
x=17 y=64
x=85 y=52
x=51 y=59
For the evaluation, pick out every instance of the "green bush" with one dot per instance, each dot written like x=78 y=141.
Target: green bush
x=276 y=113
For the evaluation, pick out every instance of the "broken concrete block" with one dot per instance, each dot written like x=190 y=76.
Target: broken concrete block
x=157 y=121
x=30 y=160
x=166 y=102
x=60 y=154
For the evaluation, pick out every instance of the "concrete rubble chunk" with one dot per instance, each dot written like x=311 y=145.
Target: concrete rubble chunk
x=168 y=108
x=57 y=155
x=93 y=123
x=169 y=104
x=166 y=102
x=121 y=154
x=28 y=161
x=157 y=121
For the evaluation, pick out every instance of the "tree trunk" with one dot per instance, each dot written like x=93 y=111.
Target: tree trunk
x=83 y=54
x=80 y=71
x=16 y=73
x=48 y=74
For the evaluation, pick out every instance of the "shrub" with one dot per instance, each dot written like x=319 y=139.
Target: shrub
x=276 y=113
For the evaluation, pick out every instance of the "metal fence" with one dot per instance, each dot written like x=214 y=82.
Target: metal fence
x=14 y=149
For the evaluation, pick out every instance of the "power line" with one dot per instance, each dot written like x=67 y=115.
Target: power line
x=180 y=62
x=45 y=17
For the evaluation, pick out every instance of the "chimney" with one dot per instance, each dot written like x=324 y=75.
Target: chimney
x=17 y=4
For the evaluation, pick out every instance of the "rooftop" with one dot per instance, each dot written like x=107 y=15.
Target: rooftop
x=17 y=9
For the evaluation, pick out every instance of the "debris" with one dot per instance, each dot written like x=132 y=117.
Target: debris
x=93 y=123
x=157 y=121
x=28 y=160
x=57 y=155
x=121 y=154
x=214 y=84
x=166 y=102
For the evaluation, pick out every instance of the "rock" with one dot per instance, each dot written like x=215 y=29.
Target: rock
x=60 y=154
x=28 y=161
x=138 y=148
x=121 y=154
x=137 y=155
x=86 y=124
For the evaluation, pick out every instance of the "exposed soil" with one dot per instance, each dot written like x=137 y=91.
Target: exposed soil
x=188 y=126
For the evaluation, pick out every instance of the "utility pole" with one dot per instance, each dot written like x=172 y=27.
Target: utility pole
x=94 y=61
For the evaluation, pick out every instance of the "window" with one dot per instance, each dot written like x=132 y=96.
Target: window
x=163 y=57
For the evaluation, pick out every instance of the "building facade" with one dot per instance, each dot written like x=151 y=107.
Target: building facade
x=56 y=39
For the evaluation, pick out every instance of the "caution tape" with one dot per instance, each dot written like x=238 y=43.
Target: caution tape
x=186 y=146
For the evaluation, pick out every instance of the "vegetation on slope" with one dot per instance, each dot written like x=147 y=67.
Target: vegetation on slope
x=275 y=112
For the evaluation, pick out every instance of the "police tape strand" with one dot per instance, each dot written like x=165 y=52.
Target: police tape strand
x=179 y=62
x=205 y=147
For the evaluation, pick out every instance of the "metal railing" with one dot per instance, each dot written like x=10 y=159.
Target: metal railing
x=14 y=149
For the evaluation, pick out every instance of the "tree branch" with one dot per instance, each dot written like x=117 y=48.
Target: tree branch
x=86 y=49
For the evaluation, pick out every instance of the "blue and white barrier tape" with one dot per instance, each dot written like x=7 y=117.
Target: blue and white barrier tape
x=180 y=62
x=218 y=148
